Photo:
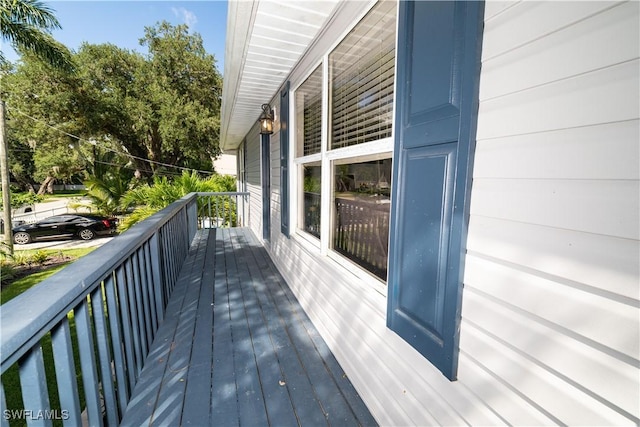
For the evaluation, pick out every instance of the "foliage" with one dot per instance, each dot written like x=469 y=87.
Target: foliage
x=158 y=110
x=163 y=107
x=20 y=259
x=311 y=184
x=7 y=271
x=39 y=257
x=139 y=214
x=21 y=164
x=148 y=199
x=28 y=258
x=20 y=199
x=39 y=97
x=107 y=186
x=26 y=25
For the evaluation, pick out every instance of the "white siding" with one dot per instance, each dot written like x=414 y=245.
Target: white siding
x=254 y=183
x=550 y=305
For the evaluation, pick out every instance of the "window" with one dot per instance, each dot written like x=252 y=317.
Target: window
x=311 y=199
x=309 y=115
x=361 y=220
x=308 y=143
x=352 y=147
x=362 y=73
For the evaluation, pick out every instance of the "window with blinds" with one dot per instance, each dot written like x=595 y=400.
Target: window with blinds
x=362 y=71
x=309 y=114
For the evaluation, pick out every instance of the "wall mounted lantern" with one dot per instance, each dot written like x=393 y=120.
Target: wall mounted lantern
x=266 y=120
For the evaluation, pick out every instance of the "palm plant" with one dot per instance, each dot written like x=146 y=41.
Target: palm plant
x=105 y=192
x=148 y=199
x=26 y=24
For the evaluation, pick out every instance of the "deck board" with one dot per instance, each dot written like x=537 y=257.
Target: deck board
x=235 y=348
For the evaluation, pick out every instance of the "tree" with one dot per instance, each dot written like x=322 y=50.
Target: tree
x=44 y=112
x=26 y=25
x=160 y=110
x=163 y=107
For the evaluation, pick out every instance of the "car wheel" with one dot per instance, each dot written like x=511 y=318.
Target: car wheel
x=22 y=238
x=86 y=234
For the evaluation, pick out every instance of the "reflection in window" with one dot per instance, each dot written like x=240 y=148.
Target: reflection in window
x=361 y=219
x=311 y=199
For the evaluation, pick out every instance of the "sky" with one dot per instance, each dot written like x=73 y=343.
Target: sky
x=122 y=23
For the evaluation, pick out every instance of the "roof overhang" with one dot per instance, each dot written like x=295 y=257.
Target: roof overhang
x=265 y=39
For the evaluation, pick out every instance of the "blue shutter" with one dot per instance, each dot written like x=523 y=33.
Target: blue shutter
x=284 y=160
x=265 y=147
x=436 y=108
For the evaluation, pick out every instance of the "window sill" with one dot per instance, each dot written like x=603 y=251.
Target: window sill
x=367 y=280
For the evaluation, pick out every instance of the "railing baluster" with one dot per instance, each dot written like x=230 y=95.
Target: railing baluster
x=209 y=204
x=168 y=258
x=104 y=357
x=141 y=279
x=157 y=278
x=66 y=373
x=127 y=327
x=135 y=318
x=4 y=420
x=168 y=235
x=171 y=252
x=217 y=211
x=88 y=363
x=146 y=266
x=115 y=327
x=33 y=381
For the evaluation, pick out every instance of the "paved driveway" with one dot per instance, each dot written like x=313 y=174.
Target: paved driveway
x=63 y=244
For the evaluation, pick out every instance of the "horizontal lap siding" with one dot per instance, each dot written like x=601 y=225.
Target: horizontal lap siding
x=254 y=183
x=550 y=307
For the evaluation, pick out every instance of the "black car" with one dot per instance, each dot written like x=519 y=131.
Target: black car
x=83 y=226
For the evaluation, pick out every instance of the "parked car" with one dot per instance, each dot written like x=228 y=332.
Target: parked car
x=86 y=227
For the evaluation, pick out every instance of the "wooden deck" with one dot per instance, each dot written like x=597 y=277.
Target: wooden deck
x=236 y=348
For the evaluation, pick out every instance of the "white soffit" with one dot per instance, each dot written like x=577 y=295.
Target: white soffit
x=265 y=39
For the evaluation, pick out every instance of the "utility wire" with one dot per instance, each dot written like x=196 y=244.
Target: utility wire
x=110 y=149
x=160 y=172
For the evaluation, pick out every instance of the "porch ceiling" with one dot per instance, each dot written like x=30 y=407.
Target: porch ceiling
x=265 y=39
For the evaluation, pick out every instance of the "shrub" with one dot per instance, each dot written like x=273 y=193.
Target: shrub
x=7 y=272
x=22 y=258
x=39 y=257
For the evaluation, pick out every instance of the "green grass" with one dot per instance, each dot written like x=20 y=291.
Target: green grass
x=21 y=285
x=65 y=193
x=11 y=379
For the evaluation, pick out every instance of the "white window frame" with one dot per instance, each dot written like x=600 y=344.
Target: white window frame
x=382 y=148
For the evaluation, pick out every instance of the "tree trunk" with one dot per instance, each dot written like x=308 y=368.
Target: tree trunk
x=46 y=186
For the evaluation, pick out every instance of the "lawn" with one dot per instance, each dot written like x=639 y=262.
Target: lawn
x=38 y=272
x=10 y=379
